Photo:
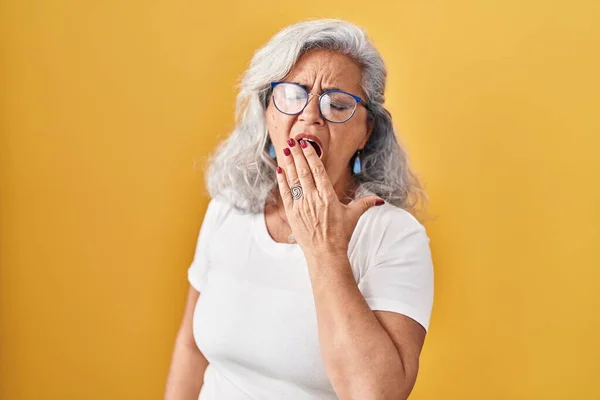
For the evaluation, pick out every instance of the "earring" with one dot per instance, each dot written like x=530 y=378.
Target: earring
x=272 y=151
x=356 y=168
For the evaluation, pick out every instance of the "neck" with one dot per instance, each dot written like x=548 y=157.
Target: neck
x=345 y=187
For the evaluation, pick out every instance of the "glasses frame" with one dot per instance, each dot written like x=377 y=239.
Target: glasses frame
x=308 y=95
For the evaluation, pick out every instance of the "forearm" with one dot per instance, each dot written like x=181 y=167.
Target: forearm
x=186 y=374
x=360 y=357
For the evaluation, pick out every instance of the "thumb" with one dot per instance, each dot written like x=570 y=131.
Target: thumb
x=360 y=206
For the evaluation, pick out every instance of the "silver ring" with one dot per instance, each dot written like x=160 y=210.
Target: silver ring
x=296 y=191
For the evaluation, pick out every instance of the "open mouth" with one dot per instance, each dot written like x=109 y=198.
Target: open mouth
x=315 y=145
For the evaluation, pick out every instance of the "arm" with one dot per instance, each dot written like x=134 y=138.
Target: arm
x=186 y=374
x=363 y=360
x=367 y=355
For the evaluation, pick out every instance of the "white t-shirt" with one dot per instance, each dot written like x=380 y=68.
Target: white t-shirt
x=255 y=319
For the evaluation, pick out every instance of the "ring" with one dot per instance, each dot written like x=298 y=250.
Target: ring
x=296 y=191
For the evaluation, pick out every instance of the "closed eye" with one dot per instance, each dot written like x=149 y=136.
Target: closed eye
x=339 y=106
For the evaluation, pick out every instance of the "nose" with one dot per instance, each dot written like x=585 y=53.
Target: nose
x=311 y=114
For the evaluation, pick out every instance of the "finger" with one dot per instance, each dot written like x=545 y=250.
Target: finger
x=289 y=167
x=359 y=206
x=303 y=171
x=320 y=178
x=284 y=189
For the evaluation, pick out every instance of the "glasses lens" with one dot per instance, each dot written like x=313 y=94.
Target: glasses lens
x=289 y=98
x=337 y=106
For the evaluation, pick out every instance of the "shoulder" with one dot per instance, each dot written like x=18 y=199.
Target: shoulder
x=218 y=211
x=387 y=232
x=391 y=223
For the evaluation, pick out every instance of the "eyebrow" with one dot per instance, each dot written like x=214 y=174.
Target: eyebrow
x=324 y=89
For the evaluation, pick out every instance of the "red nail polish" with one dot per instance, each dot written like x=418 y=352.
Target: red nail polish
x=379 y=202
x=287 y=151
x=303 y=144
x=279 y=169
x=291 y=142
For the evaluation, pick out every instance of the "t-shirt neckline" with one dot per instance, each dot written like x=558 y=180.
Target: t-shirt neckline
x=266 y=242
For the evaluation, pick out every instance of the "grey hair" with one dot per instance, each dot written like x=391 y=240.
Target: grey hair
x=241 y=170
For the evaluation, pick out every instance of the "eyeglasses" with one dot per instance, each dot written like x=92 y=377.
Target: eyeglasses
x=335 y=105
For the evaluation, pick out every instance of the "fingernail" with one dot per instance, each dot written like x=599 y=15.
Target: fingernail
x=279 y=169
x=379 y=202
x=287 y=151
x=291 y=142
x=303 y=144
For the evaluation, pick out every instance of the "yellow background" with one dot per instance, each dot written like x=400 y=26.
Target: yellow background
x=109 y=108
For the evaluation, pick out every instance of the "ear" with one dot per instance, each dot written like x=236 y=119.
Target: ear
x=370 y=126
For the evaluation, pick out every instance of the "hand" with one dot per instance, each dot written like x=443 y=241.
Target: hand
x=319 y=221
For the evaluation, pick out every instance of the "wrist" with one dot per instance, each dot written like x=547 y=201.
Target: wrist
x=326 y=252
x=328 y=267
x=326 y=256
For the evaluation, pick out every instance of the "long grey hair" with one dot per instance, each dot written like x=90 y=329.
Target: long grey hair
x=241 y=171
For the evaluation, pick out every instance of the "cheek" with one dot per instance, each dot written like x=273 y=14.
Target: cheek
x=347 y=137
x=279 y=125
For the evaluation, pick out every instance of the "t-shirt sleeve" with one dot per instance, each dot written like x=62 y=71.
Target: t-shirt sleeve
x=400 y=277
x=200 y=264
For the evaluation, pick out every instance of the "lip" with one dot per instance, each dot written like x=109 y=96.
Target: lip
x=312 y=137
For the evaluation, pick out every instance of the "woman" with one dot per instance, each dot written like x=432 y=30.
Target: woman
x=300 y=287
